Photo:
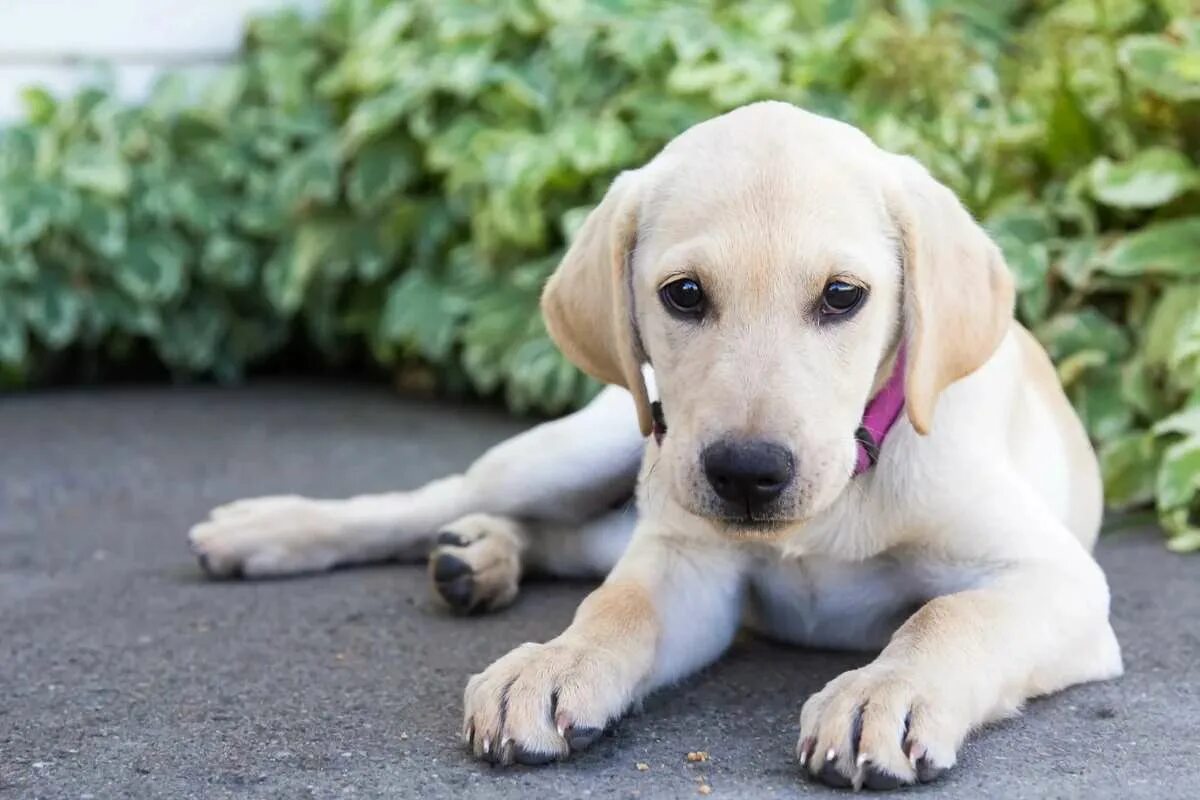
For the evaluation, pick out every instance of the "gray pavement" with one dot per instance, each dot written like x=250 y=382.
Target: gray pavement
x=124 y=674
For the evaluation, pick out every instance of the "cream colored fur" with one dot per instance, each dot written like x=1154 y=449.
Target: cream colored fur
x=980 y=514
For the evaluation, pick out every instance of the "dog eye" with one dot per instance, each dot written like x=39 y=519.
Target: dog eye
x=683 y=296
x=840 y=297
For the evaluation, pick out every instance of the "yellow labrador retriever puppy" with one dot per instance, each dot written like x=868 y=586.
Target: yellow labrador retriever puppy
x=851 y=443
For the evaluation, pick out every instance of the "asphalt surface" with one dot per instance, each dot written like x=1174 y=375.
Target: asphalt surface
x=123 y=673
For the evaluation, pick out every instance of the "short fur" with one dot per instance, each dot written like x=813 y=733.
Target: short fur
x=980 y=514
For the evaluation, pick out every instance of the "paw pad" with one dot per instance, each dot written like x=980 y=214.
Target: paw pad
x=454 y=581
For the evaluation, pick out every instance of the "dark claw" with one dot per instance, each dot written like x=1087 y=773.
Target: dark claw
x=531 y=759
x=830 y=776
x=450 y=538
x=877 y=778
x=927 y=771
x=856 y=731
x=447 y=567
x=457 y=592
x=206 y=565
x=580 y=737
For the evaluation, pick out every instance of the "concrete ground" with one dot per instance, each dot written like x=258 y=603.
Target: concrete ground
x=123 y=673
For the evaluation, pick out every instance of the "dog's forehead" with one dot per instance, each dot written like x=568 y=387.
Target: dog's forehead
x=763 y=162
x=805 y=190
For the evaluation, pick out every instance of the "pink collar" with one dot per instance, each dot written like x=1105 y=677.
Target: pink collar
x=881 y=414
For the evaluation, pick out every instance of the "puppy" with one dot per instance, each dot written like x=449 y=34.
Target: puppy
x=845 y=440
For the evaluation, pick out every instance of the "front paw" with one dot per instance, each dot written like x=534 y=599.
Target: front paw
x=878 y=727
x=542 y=702
x=476 y=563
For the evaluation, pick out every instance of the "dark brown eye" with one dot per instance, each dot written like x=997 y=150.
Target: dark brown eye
x=840 y=297
x=683 y=296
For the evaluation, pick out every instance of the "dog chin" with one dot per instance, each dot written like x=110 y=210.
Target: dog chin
x=750 y=529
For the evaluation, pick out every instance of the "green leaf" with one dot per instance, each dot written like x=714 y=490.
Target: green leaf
x=40 y=105
x=102 y=227
x=1188 y=541
x=1022 y=234
x=20 y=223
x=229 y=261
x=153 y=267
x=380 y=170
x=1071 y=136
x=1141 y=389
x=1100 y=404
x=1162 y=66
x=1165 y=248
x=414 y=314
x=1179 y=475
x=1088 y=330
x=1152 y=178
x=374 y=116
x=96 y=168
x=1186 y=422
x=18 y=267
x=28 y=210
x=593 y=145
x=1078 y=262
x=286 y=279
x=1170 y=315
x=1130 y=468
x=222 y=96
x=53 y=310
x=1073 y=367
x=113 y=310
x=311 y=176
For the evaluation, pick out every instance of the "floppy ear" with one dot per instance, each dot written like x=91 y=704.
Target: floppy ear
x=588 y=301
x=958 y=292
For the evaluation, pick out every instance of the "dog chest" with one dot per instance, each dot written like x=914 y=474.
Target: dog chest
x=820 y=602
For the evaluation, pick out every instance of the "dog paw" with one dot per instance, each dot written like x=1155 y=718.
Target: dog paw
x=476 y=563
x=542 y=702
x=267 y=536
x=877 y=728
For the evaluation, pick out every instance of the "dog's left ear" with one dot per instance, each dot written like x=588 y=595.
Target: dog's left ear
x=958 y=292
x=588 y=301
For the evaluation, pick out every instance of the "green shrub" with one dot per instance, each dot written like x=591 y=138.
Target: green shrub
x=396 y=179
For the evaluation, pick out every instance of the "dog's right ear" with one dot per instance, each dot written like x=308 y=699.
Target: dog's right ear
x=588 y=301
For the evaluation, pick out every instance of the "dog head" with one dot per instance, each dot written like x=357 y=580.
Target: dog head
x=767 y=265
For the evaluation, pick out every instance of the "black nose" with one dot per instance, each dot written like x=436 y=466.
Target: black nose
x=748 y=474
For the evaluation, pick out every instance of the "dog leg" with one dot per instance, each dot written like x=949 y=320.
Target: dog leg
x=567 y=469
x=636 y=632
x=961 y=661
x=588 y=550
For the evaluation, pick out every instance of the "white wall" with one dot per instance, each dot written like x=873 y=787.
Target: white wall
x=55 y=43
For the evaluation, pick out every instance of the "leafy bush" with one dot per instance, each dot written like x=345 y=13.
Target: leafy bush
x=397 y=179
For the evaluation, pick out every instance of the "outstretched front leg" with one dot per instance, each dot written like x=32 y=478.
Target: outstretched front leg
x=635 y=633
x=568 y=470
x=1037 y=624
